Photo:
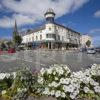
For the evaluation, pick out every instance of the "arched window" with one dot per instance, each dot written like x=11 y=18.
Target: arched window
x=40 y=37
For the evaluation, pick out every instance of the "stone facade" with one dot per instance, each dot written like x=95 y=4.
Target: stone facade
x=52 y=35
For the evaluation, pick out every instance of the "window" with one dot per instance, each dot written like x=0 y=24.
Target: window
x=54 y=36
x=40 y=37
x=50 y=28
x=47 y=35
x=36 y=37
x=58 y=37
x=32 y=38
x=62 y=38
x=51 y=36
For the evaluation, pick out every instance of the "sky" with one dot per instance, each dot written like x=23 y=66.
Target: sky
x=80 y=15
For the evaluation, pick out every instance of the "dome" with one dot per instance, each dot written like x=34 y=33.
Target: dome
x=50 y=11
x=49 y=15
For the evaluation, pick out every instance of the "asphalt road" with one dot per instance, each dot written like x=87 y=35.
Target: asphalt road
x=40 y=58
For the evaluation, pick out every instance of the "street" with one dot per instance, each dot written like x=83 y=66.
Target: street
x=37 y=59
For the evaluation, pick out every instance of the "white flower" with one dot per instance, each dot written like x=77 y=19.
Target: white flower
x=65 y=81
x=65 y=88
x=93 y=72
x=54 y=84
x=52 y=92
x=3 y=75
x=97 y=89
x=42 y=71
x=93 y=66
x=63 y=94
x=72 y=96
x=14 y=75
x=3 y=92
x=58 y=94
x=87 y=90
x=92 y=82
x=71 y=88
x=49 y=71
x=46 y=91
x=56 y=78
x=68 y=88
x=40 y=80
x=21 y=89
x=86 y=80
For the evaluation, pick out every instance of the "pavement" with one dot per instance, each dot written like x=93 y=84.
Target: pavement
x=36 y=59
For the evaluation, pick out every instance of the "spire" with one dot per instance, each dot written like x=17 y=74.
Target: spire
x=15 y=32
x=15 y=27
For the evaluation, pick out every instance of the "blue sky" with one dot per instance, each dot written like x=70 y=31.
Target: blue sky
x=81 y=15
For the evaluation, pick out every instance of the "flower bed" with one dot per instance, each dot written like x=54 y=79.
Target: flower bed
x=58 y=81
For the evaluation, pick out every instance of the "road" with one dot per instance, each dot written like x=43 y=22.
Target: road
x=40 y=58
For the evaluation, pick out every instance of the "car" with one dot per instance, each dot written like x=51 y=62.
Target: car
x=83 y=50
x=97 y=50
x=11 y=50
x=1 y=52
x=91 y=51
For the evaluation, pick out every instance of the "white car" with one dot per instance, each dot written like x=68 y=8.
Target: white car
x=91 y=51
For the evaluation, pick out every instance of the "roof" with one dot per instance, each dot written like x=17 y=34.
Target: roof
x=33 y=30
x=43 y=27
x=67 y=28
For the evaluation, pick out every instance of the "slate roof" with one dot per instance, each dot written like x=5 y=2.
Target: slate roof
x=43 y=27
x=33 y=30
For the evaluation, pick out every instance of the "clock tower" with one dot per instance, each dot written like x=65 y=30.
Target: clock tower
x=49 y=15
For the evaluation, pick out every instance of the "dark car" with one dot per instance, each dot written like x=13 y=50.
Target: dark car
x=83 y=50
x=91 y=51
x=97 y=50
x=11 y=50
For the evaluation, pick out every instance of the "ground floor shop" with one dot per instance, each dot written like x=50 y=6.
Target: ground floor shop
x=51 y=45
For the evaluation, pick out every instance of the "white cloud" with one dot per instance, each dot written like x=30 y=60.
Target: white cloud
x=21 y=20
x=30 y=11
x=97 y=14
x=0 y=6
x=96 y=30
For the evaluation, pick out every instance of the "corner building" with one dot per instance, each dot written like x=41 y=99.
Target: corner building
x=51 y=35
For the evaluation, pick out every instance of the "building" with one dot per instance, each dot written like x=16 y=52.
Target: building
x=84 y=39
x=51 y=35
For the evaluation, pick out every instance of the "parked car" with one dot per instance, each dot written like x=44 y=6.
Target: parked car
x=97 y=50
x=83 y=50
x=1 y=52
x=91 y=51
x=11 y=50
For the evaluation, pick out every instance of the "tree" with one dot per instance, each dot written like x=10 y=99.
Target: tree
x=9 y=44
x=88 y=43
x=3 y=46
x=17 y=40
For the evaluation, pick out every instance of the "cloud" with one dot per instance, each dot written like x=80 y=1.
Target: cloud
x=97 y=14
x=95 y=31
x=96 y=40
x=31 y=11
x=0 y=6
x=21 y=20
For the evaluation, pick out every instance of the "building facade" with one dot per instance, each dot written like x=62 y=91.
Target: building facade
x=52 y=35
x=84 y=39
